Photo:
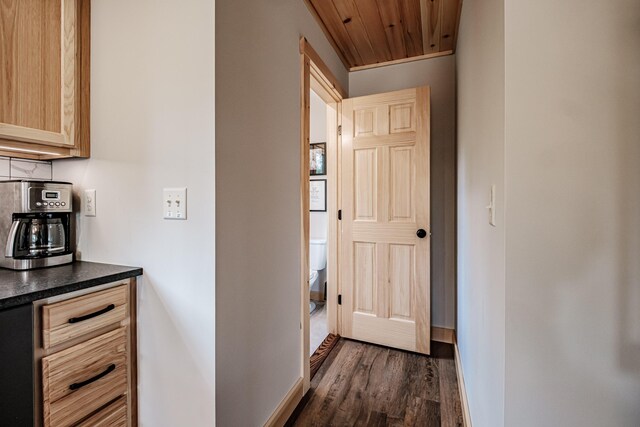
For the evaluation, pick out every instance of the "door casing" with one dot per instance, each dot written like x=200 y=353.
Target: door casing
x=317 y=76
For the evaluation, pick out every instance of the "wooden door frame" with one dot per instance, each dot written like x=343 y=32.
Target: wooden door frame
x=317 y=76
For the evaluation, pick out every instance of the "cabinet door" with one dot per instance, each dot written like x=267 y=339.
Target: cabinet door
x=44 y=75
x=70 y=319
x=82 y=379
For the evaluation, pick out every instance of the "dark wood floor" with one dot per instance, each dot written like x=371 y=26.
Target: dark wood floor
x=367 y=385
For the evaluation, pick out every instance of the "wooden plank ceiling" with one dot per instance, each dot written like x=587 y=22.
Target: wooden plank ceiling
x=372 y=33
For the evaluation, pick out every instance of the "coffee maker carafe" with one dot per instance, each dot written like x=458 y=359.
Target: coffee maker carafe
x=35 y=219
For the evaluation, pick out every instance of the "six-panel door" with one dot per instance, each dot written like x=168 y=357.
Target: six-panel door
x=385 y=201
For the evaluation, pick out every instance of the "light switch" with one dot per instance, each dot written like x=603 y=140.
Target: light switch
x=174 y=202
x=89 y=202
x=492 y=206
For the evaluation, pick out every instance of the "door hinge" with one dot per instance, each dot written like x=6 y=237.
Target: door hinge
x=339 y=214
x=339 y=130
x=339 y=299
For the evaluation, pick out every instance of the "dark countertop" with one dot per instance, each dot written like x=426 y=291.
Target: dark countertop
x=24 y=287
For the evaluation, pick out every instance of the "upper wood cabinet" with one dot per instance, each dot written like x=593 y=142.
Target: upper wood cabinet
x=44 y=78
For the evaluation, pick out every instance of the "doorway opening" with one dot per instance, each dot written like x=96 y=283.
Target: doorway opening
x=321 y=100
x=371 y=182
x=318 y=221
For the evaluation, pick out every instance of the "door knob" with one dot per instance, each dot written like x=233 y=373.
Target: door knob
x=421 y=233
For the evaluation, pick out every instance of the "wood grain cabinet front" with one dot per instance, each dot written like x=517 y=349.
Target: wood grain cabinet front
x=113 y=415
x=87 y=358
x=80 y=380
x=66 y=320
x=44 y=78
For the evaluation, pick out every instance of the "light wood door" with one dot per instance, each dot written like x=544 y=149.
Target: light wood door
x=44 y=72
x=385 y=201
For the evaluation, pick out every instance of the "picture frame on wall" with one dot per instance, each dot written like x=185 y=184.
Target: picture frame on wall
x=318 y=195
x=318 y=158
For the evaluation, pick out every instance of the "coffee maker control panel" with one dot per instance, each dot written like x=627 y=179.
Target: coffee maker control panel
x=49 y=198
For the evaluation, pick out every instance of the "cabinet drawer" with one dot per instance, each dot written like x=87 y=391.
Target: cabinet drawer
x=114 y=415
x=83 y=378
x=69 y=319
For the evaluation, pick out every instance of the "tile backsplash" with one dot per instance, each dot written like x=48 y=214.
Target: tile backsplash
x=11 y=168
x=5 y=167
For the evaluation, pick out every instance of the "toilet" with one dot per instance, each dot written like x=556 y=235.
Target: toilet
x=317 y=261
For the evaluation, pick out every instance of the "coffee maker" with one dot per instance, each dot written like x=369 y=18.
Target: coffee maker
x=35 y=224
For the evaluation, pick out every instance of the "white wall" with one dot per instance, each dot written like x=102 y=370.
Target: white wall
x=439 y=73
x=555 y=125
x=318 y=133
x=152 y=126
x=573 y=213
x=481 y=258
x=258 y=338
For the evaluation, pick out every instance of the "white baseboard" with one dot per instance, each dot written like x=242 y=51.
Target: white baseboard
x=287 y=406
x=466 y=415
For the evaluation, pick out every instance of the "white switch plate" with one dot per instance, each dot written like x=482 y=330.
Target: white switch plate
x=174 y=202
x=89 y=202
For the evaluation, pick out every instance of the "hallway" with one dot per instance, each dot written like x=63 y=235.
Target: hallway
x=369 y=385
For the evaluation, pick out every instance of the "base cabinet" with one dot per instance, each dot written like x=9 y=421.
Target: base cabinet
x=87 y=372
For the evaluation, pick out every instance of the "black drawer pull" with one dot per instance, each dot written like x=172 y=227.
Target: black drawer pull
x=76 y=386
x=94 y=314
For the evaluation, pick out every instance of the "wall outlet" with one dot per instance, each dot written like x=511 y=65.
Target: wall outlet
x=89 y=202
x=174 y=202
